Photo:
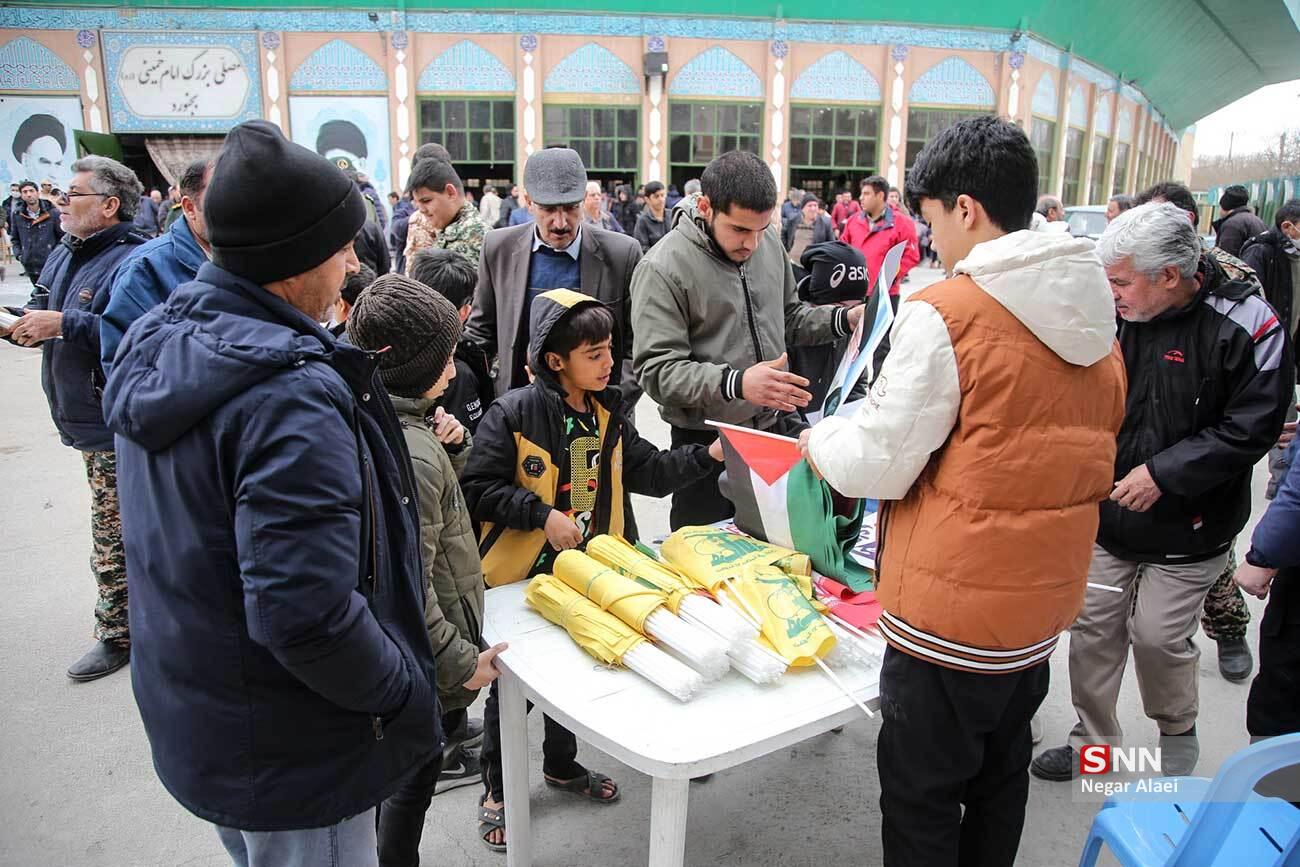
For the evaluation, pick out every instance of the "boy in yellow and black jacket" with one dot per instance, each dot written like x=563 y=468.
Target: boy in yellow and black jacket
x=551 y=467
x=539 y=479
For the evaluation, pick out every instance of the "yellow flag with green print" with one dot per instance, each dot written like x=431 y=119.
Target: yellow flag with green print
x=789 y=622
x=711 y=556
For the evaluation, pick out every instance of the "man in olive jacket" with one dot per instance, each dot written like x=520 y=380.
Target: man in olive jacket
x=713 y=307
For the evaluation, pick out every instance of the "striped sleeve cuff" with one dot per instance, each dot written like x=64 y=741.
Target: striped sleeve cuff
x=731 y=384
x=841 y=322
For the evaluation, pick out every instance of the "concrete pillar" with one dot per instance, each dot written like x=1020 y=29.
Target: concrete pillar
x=777 y=98
x=1089 y=142
x=1113 y=100
x=94 y=82
x=528 y=101
x=654 y=110
x=894 y=121
x=1062 y=126
x=401 y=107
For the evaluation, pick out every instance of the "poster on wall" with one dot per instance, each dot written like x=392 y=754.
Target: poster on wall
x=36 y=138
x=182 y=82
x=350 y=131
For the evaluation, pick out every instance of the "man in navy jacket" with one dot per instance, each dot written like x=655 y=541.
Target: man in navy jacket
x=280 y=659
x=62 y=318
x=155 y=269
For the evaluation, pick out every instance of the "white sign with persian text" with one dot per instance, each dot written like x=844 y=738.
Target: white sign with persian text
x=166 y=82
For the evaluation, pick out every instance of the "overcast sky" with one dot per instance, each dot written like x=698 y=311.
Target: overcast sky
x=1257 y=120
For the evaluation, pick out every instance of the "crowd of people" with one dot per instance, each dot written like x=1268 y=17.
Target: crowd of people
x=314 y=437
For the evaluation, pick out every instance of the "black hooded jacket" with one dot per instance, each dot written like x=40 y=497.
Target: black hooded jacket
x=520 y=456
x=1208 y=389
x=1267 y=254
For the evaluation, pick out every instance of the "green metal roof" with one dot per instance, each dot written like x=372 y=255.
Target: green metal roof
x=1190 y=57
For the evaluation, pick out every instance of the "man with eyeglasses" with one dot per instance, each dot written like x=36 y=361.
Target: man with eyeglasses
x=556 y=250
x=68 y=303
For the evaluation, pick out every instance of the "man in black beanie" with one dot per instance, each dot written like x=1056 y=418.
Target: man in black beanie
x=1237 y=222
x=836 y=275
x=279 y=659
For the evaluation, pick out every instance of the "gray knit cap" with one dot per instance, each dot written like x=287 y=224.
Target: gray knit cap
x=418 y=326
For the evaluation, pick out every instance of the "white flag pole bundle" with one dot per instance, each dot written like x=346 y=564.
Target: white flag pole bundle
x=749 y=657
x=874 y=643
x=643 y=564
x=704 y=612
x=663 y=671
x=703 y=649
x=607 y=638
x=861 y=651
x=643 y=608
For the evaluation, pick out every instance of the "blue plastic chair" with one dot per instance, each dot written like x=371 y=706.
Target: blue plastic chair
x=1209 y=822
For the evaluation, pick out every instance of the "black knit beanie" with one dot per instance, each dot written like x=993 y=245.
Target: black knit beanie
x=1234 y=196
x=274 y=208
x=836 y=272
x=418 y=325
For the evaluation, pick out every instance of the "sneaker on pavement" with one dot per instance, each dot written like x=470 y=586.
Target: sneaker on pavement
x=472 y=733
x=459 y=768
x=1235 y=661
x=468 y=734
x=1179 y=753
x=1058 y=765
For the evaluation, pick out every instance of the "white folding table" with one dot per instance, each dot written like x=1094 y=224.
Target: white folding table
x=730 y=722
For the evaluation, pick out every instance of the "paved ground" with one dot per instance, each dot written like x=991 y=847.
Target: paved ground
x=79 y=788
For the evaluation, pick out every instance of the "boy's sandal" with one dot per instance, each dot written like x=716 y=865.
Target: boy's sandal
x=489 y=821
x=589 y=786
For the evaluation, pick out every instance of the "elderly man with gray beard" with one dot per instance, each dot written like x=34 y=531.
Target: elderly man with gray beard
x=1209 y=382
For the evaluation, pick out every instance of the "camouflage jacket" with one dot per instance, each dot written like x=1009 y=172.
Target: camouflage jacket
x=1234 y=267
x=463 y=235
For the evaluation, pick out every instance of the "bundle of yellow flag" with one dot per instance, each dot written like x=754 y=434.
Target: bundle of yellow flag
x=644 y=608
x=599 y=633
x=710 y=556
x=616 y=553
x=626 y=599
x=788 y=620
x=607 y=638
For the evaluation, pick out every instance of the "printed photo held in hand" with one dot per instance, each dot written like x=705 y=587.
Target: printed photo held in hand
x=870 y=332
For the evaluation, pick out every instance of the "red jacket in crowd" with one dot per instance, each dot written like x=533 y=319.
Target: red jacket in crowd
x=842 y=213
x=875 y=240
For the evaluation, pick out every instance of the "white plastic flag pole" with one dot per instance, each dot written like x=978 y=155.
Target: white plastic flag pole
x=753 y=615
x=874 y=641
x=842 y=688
x=1105 y=587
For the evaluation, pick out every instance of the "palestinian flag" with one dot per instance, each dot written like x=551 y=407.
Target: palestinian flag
x=779 y=500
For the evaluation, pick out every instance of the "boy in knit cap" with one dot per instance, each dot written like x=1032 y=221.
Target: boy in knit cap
x=414 y=331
